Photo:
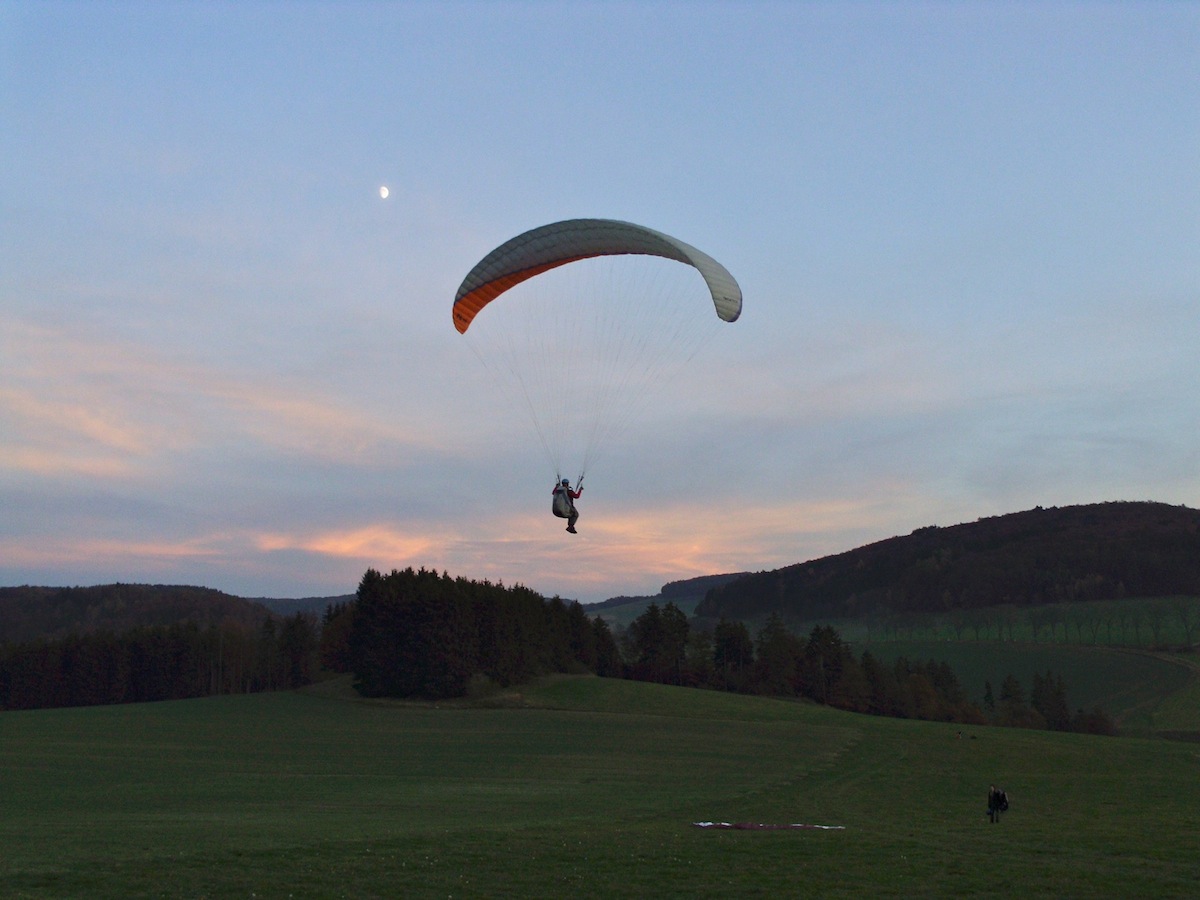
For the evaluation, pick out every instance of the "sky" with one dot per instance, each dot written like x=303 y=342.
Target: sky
x=967 y=236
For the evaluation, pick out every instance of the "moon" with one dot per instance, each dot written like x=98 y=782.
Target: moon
x=383 y=192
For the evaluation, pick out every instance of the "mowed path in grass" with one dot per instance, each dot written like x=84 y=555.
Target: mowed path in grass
x=576 y=786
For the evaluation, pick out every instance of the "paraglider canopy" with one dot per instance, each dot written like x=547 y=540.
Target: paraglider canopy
x=550 y=246
x=589 y=319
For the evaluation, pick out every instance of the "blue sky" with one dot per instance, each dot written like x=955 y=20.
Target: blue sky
x=968 y=236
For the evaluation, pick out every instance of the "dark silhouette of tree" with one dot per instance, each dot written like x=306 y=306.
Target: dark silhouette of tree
x=733 y=654
x=559 y=634
x=646 y=638
x=884 y=690
x=1048 y=696
x=699 y=668
x=334 y=647
x=1012 y=710
x=608 y=656
x=581 y=638
x=777 y=654
x=1011 y=691
x=658 y=644
x=825 y=656
x=852 y=691
x=297 y=649
x=675 y=628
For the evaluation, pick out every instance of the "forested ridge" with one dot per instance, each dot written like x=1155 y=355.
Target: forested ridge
x=127 y=643
x=158 y=662
x=29 y=613
x=416 y=633
x=1103 y=551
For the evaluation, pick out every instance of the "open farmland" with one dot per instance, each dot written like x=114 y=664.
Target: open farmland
x=578 y=785
x=1139 y=689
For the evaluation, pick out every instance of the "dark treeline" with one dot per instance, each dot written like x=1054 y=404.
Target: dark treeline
x=415 y=633
x=1045 y=707
x=159 y=662
x=30 y=613
x=420 y=634
x=660 y=645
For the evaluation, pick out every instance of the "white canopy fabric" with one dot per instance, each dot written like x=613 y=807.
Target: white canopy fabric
x=550 y=246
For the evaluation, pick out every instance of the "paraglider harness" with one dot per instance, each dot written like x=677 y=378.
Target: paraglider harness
x=564 y=503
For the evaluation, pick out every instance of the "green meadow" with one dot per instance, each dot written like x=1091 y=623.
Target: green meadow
x=1140 y=689
x=577 y=786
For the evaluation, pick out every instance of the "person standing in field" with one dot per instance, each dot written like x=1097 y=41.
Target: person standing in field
x=997 y=803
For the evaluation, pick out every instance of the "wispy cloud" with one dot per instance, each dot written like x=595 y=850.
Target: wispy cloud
x=76 y=403
x=84 y=551
x=223 y=358
x=368 y=544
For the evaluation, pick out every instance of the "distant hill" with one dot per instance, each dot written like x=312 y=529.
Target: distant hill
x=685 y=594
x=288 y=607
x=671 y=591
x=29 y=613
x=1074 y=553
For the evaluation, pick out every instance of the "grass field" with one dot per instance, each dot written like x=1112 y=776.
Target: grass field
x=581 y=787
x=1132 y=686
x=1143 y=623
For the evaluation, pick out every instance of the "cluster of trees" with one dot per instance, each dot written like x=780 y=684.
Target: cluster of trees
x=159 y=662
x=415 y=633
x=1045 y=707
x=1074 y=554
x=661 y=646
